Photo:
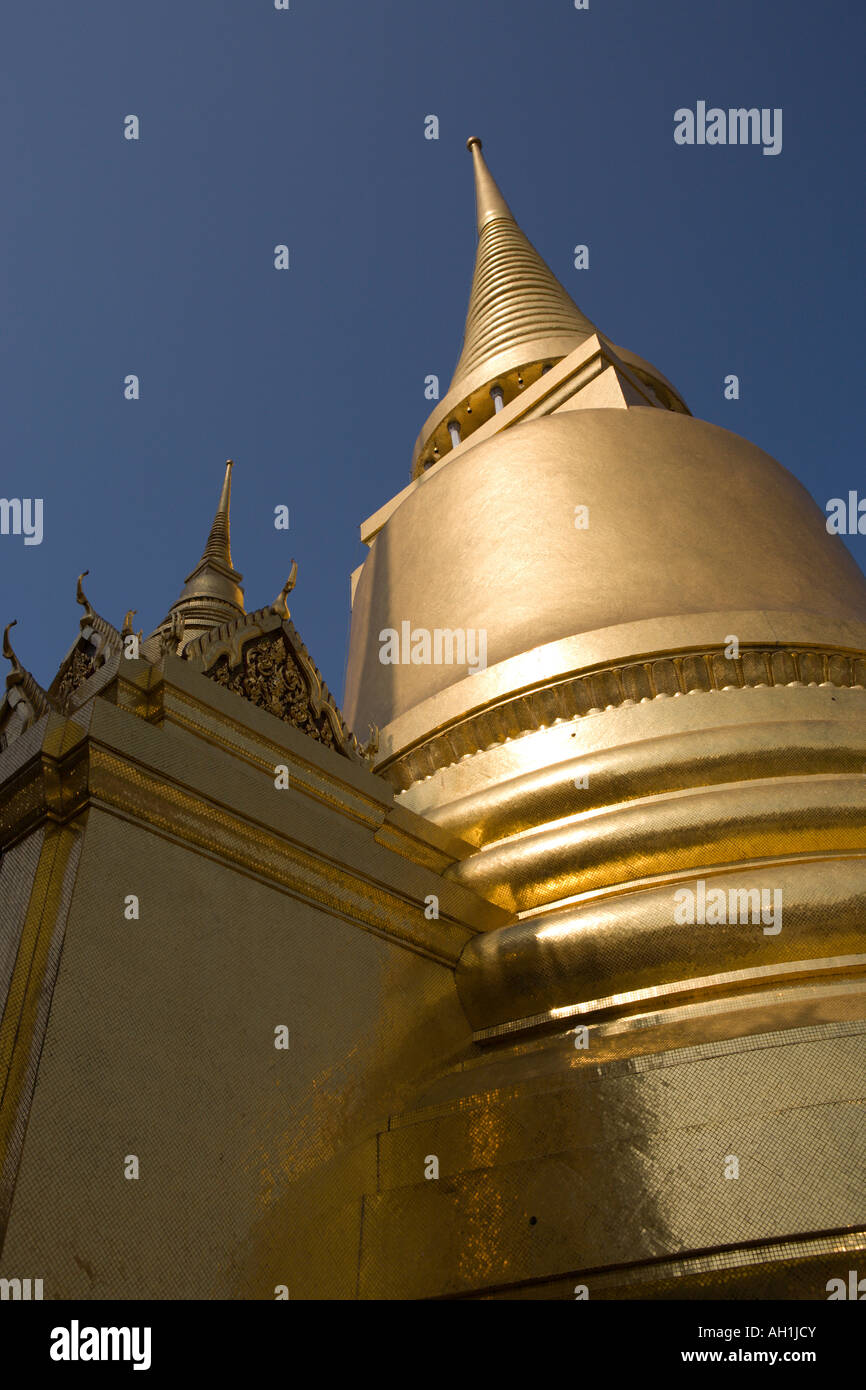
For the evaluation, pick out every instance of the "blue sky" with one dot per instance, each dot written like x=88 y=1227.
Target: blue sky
x=306 y=127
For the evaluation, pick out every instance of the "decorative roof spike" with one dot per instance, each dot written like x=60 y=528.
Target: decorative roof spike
x=17 y=668
x=280 y=602
x=23 y=692
x=81 y=597
x=99 y=630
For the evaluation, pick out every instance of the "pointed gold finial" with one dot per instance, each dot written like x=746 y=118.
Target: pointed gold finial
x=489 y=202
x=126 y=630
x=280 y=604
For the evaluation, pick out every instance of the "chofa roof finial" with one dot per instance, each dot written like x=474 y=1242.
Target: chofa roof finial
x=82 y=598
x=280 y=604
x=17 y=668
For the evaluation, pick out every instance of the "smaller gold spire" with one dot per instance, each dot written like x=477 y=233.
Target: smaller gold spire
x=212 y=593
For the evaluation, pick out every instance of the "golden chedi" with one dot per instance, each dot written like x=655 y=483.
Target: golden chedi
x=672 y=709
x=553 y=988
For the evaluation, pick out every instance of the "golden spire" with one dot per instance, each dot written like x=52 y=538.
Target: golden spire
x=517 y=303
x=520 y=321
x=212 y=593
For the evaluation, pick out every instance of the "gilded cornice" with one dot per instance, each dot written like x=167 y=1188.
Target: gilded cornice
x=660 y=675
x=124 y=768
x=252 y=848
x=177 y=697
x=50 y=786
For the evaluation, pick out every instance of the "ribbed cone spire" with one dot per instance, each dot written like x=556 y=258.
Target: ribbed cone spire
x=520 y=322
x=516 y=300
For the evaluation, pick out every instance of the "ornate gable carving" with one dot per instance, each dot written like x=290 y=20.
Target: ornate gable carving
x=262 y=658
x=269 y=677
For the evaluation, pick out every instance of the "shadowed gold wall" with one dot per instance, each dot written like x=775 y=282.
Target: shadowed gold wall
x=258 y=908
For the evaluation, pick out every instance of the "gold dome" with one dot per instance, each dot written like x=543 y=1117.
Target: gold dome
x=693 y=534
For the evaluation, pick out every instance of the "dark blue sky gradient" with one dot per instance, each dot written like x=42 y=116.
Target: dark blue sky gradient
x=307 y=127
